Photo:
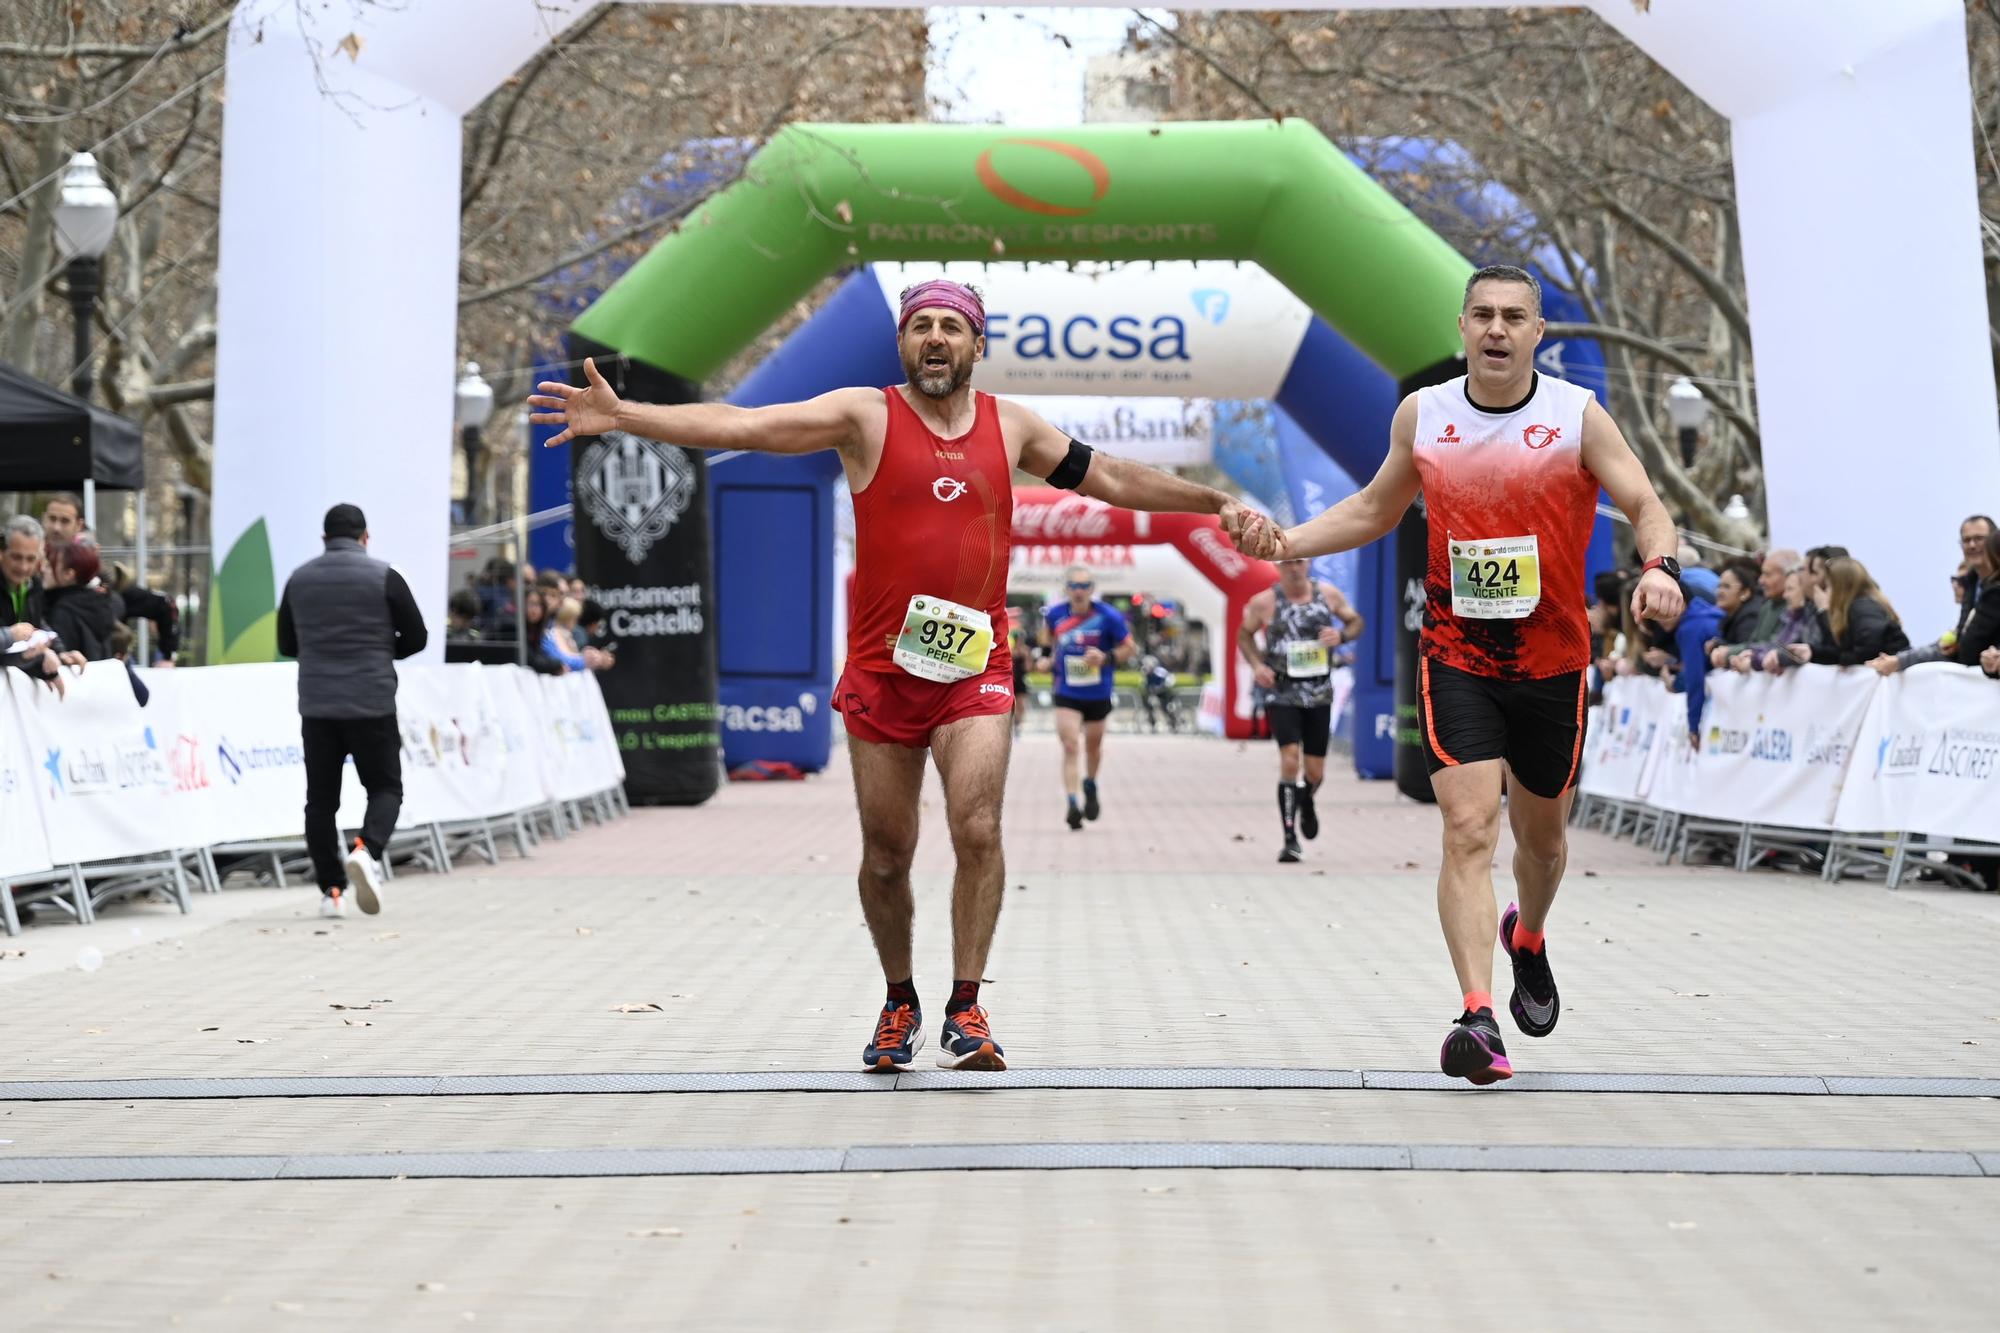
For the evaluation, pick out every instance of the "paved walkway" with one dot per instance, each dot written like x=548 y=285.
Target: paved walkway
x=1280 y=1021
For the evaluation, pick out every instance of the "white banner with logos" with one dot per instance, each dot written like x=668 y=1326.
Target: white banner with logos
x=1928 y=757
x=1816 y=748
x=1162 y=432
x=1186 y=329
x=1778 y=745
x=216 y=757
x=105 y=782
x=24 y=847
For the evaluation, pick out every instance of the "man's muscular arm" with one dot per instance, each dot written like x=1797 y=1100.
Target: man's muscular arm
x=830 y=421
x=1120 y=481
x=1374 y=509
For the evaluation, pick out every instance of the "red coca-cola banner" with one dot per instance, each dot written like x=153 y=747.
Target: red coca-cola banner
x=1043 y=515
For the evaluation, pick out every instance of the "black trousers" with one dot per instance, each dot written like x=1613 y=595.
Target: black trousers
x=378 y=761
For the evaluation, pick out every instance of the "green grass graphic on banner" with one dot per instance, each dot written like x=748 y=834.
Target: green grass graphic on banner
x=243 y=620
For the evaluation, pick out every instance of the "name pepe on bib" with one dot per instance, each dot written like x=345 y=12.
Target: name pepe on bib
x=943 y=641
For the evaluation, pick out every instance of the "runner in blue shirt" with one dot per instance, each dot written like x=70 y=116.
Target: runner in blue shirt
x=1082 y=640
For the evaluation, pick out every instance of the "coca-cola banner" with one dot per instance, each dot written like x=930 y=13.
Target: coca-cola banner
x=1045 y=516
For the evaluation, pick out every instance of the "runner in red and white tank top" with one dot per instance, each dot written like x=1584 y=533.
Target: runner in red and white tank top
x=930 y=465
x=1509 y=463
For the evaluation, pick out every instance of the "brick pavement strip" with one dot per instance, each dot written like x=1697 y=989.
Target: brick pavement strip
x=1165 y=935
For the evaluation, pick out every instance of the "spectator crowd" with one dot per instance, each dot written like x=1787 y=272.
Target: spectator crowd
x=562 y=627
x=65 y=607
x=1781 y=610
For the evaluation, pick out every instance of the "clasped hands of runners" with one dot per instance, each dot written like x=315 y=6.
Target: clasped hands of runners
x=1254 y=534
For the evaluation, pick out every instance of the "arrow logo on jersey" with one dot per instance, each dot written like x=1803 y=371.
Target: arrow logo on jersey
x=947 y=488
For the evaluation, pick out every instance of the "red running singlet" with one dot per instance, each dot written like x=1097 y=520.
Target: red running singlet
x=937 y=520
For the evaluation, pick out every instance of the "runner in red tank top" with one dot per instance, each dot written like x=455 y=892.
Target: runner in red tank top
x=1509 y=464
x=930 y=464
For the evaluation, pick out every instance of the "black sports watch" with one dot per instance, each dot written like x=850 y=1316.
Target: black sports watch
x=1666 y=563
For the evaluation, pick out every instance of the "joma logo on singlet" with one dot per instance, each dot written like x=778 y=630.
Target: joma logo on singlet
x=947 y=488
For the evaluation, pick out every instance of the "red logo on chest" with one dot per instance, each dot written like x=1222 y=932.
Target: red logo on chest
x=1540 y=437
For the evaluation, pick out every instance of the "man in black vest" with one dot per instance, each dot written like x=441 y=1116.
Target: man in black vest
x=349 y=619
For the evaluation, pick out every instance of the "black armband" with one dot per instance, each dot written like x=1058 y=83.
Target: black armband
x=1069 y=473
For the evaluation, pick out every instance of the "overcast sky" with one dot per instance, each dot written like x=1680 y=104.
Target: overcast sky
x=1007 y=66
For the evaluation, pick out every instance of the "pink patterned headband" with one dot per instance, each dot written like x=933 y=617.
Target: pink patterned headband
x=940 y=292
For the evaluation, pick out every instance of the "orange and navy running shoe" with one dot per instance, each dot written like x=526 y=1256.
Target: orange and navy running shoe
x=899 y=1034
x=967 y=1042
x=1474 y=1051
x=1535 y=1004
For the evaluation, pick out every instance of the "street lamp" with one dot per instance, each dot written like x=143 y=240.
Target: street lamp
x=474 y=406
x=85 y=220
x=1688 y=409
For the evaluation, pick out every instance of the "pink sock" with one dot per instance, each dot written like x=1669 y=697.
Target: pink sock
x=1531 y=940
x=1475 y=1000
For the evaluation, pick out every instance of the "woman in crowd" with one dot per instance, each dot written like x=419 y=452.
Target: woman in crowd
x=535 y=625
x=559 y=639
x=1801 y=629
x=1863 y=624
x=81 y=611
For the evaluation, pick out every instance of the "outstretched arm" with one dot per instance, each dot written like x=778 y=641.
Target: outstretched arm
x=1620 y=472
x=830 y=421
x=1121 y=482
x=1374 y=509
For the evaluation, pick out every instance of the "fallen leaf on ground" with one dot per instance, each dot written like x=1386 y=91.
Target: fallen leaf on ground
x=430 y=1286
x=211 y=1029
x=633 y=1008
x=350 y=1006
x=251 y=1041
x=656 y=1231
x=1159 y=1189
x=390 y=935
x=93 y=1032
x=356 y=1023
x=583 y=930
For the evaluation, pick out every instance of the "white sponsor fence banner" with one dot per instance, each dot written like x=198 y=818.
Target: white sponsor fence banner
x=104 y=780
x=1816 y=748
x=1776 y=745
x=1927 y=759
x=216 y=757
x=24 y=847
x=1619 y=739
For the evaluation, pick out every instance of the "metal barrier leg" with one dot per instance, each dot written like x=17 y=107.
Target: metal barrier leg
x=9 y=918
x=1743 y=851
x=444 y=865
x=181 y=894
x=1899 y=860
x=86 y=911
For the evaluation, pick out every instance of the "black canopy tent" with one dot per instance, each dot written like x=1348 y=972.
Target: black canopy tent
x=50 y=440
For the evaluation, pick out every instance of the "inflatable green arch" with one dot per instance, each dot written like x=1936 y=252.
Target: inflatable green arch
x=822 y=197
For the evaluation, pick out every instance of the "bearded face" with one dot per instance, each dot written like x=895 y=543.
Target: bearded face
x=939 y=348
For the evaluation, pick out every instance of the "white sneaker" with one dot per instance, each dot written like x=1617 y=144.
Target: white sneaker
x=333 y=904
x=365 y=878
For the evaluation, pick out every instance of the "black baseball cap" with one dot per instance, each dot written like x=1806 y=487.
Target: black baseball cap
x=344 y=520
